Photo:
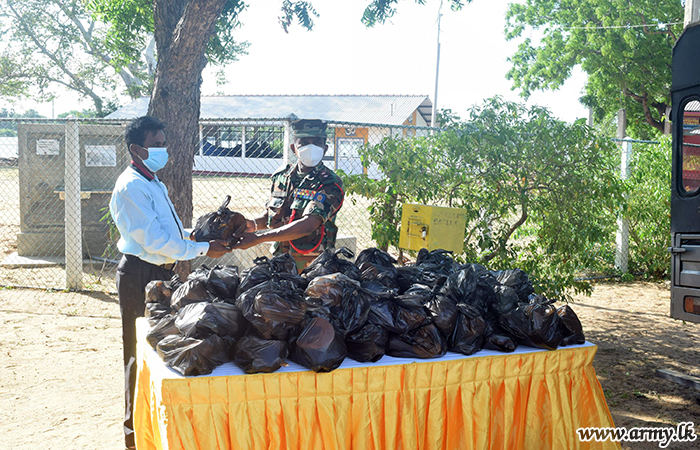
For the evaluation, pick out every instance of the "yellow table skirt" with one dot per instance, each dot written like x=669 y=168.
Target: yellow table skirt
x=532 y=399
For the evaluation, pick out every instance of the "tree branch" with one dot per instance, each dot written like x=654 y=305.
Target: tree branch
x=647 y=111
x=511 y=230
x=79 y=85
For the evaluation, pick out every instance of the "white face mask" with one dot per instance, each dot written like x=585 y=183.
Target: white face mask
x=310 y=155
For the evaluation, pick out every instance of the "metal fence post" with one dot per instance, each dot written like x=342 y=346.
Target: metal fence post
x=287 y=141
x=243 y=145
x=622 y=237
x=72 y=219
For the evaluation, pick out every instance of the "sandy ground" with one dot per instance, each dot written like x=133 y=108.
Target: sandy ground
x=61 y=377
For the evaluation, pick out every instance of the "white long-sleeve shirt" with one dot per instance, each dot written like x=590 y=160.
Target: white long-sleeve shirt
x=147 y=222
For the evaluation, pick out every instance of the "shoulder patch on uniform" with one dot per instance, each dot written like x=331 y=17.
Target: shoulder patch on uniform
x=280 y=169
x=329 y=177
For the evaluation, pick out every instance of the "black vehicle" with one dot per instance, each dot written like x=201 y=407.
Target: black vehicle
x=685 y=178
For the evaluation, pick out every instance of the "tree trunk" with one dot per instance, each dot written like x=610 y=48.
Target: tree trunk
x=183 y=29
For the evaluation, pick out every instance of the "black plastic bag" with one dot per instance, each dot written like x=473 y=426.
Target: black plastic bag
x=443 y=314
x=319 y=347
x=506 y=300
x=535 y=324
x=191 y=291
x=274 y=308
x=386 y=276
x=473 y=285
x=381 y=313
x=256 y=355
x=156 y=311
x=161 y=291
x=377 y=265
x=468 y=334
x=221 y=282
x=348 y=302
x=418 y=274
x=570 y=326
x=221 y=224
x=190 y=356
x=199 y=320
x=353 y=312
x=409 y=312
x=367 y=344
x=424 y=342
x=439 y=260
x=378 y=289
x=284 y=263
x=164 y=327
x=376 y=257
x=518 y=280
x=328 y=288
x=400 y=314
x=264 y=269
x=330 y=262
x=500 y=342
x=496 y=338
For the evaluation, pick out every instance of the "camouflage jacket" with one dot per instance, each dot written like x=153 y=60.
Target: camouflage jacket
x=294 y=195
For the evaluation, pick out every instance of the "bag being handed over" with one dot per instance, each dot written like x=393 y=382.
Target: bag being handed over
x=220 y=224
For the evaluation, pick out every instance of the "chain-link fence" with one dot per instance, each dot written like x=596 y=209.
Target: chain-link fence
x=57 y=176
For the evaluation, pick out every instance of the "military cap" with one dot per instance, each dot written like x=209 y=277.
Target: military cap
x=309 y=128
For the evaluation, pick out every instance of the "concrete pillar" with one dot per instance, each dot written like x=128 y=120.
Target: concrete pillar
x=73 y=214
x=622 y=238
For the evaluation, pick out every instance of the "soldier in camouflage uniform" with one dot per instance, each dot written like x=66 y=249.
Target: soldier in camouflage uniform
x=304 y=201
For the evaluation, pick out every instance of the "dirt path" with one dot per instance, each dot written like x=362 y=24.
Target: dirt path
x=61 y=384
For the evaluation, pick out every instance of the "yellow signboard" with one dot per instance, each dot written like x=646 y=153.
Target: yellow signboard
x=432 y=227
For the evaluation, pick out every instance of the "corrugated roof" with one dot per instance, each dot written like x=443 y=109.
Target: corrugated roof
x=379 y=109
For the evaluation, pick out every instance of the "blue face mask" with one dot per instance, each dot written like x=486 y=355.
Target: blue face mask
x=157 y=158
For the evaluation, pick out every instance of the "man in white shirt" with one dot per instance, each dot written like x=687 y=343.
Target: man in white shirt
x=152 y=238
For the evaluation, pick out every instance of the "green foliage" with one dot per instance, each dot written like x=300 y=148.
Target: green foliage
x=132 y=24
x=539 y=194
x=107 y=109
x=628 y=65
x=303 y=11
x=379 y=11
x=649 y=208
x=9 y=128
x=56 y=43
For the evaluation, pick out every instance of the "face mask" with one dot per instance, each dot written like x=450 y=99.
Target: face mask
x=310 y=155
x=157 y=158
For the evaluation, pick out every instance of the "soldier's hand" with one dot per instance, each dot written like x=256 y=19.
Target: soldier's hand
x=247 y=240
x=218 y=248
x=250 y=225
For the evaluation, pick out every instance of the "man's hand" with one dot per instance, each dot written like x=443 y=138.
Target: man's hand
x=247 y=240
x=218 y=248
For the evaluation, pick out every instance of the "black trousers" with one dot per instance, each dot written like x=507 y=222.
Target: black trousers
x=133 y=274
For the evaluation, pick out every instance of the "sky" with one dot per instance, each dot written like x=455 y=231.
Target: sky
x=341 y=56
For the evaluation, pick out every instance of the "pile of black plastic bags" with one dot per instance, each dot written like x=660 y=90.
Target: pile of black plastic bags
x=337 y=308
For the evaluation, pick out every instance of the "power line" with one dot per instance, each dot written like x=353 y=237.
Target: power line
x=658 y=25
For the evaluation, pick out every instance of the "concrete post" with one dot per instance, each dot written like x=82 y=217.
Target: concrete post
x=623 y=226
x=692 y=12
x=73 y=216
